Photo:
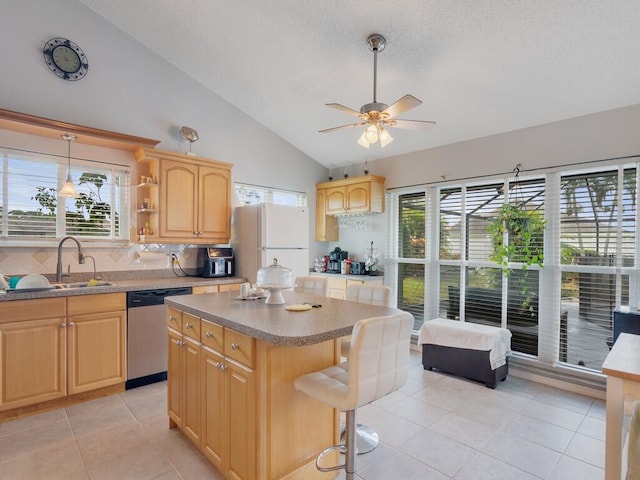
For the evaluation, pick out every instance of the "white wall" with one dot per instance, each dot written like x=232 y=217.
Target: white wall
x=600 y=136
x=614 y=133
x=131 y=90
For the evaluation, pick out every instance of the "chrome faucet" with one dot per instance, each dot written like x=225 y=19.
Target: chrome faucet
x=59 y=265
x=96 y=276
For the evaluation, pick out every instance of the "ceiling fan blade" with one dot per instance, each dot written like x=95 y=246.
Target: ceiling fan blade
x=412 y=124
x=344 y=109
x=351 y=125
x=405 y=103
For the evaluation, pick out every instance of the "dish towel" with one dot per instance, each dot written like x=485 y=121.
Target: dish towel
x=633 y=453
x=453 y=333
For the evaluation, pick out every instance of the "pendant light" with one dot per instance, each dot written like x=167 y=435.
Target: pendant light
x=68 y=190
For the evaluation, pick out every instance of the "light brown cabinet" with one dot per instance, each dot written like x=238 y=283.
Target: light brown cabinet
x=229 y=403
x=191 y=202
x=354 y=195
x=96 y=339
x=357 y=195
x=223 y=287
x=338 y=284
x=211 y=392
x=32 y=352
x=54 y=348
x=184 y=373
x=326 y=225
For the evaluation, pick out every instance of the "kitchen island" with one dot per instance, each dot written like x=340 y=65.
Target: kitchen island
x=231 y=370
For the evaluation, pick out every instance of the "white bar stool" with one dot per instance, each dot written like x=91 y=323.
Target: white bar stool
x=314 y=285
x=366 y=437
x=378 y=365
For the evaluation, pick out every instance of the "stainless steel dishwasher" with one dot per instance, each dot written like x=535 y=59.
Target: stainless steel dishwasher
x=147 y=335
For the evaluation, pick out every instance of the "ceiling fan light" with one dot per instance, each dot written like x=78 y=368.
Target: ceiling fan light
x=371 y=133
x=363 y=140
x=385 y=138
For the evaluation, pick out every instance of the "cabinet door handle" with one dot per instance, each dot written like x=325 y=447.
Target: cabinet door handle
x=172 y=318
x=63 y=325
x=208 y=334
x=71 y=324
x=235 y=346
x=223 y=367
x=188 y=325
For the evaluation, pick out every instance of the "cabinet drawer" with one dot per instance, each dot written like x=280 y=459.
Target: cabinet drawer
x=37 y=309
x=204 y=289
x=104 y=302
x=229 y=287
x=336 y=283
x=191 y=326
x=174 y=319
x=212 y=335
x=239 y=347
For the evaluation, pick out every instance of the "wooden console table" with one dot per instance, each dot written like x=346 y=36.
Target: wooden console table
x=622 y=368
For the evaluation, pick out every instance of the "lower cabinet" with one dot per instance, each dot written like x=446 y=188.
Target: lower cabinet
x=211 y=395
x=96 y=342
x=338 y=284
x=32 y=362
x=56 y=347
x=228 y=434
x=183 y=370
x=248 y=411
x=223 y=287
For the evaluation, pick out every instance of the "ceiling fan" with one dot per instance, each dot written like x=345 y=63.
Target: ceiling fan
x=375 y=116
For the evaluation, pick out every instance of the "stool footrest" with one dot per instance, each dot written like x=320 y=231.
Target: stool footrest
x=326 y=451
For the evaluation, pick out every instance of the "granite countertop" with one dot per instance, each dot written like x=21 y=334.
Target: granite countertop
x=272 y=323
x=121 y=285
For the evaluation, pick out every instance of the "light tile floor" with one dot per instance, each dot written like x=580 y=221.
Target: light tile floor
x=436 y=427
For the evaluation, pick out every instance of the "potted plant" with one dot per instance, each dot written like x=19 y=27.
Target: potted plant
x=523 y=231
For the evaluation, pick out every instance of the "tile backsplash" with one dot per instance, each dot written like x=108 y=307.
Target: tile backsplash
x=23 y=260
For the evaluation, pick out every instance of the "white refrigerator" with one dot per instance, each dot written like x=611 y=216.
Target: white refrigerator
x=264 y=231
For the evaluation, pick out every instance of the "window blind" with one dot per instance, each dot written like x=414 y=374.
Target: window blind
x=250 y=194
x=597 y=257
x=31 y=208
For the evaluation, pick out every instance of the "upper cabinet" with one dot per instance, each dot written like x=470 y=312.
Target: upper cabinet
x=182 y=199
x=344 y=197
x=354 y=195
x=326 y=225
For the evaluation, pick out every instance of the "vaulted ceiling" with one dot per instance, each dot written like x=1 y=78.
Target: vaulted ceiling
x=480 y=67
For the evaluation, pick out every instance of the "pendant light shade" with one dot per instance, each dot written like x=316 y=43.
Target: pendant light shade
x=68 y=190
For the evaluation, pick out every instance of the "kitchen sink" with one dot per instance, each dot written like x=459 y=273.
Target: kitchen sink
x=99 y=283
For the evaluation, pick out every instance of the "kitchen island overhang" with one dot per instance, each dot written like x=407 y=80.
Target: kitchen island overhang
x=273 y=323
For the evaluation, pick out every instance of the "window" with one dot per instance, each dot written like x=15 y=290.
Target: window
x=490 y=296
x=249 y=194
x=411 y=248
x=32 y=210
x=582 y=224
x=597 y=245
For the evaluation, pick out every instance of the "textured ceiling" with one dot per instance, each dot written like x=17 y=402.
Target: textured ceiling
x=481 y=67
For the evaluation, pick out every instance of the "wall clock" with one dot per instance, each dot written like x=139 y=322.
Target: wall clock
x=65 y=59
